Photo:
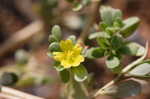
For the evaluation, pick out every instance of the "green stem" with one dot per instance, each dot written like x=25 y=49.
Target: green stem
x=133 y=64
x=124 y=71
x=73 y=87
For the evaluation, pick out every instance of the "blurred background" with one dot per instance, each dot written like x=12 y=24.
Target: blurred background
x=24 y=29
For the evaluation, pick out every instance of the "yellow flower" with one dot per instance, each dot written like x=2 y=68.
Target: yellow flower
x=70 y=55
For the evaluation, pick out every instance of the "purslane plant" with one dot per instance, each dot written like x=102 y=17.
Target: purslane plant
x=69 y=55
x=113 y=44
x=112 y=38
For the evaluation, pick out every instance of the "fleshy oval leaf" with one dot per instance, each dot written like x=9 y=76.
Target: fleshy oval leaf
x=94 y=52
x=80 y=73
x=112 y=62
x=130 y=25
x=141 y=70
x=133 y=49
x=54 y=47
x=123 y=89
x=65 y=75
x=99 y=35
x=56 y=32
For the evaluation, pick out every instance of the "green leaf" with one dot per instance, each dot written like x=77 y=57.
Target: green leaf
x=116 y=42
x=112 y=62
x=72 y=38
x=128 y=88
x=118 y=23
x=112 y=30
x=65 y=76
x=123 y=89
x=141 y=70
x=103 y=43
x=56 y=32
x=132 y=49
x=77 y=6
x=116 y=14
x=103 y=26
x=54 y=47
x=94 y=53
x=8 y=78
x=52 y=38
x=99 y=35
x=58 y=66
x=109 y=15
x=80 y=73
x=130 y=25
x=106 y=15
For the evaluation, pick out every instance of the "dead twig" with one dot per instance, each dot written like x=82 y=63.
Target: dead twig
x=10 y=93
x=21 y=37
x=91 y=19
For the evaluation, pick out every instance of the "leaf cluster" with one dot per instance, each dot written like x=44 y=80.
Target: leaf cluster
x=112 y=36
x=112 y=44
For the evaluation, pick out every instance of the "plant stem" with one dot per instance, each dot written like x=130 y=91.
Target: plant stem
x=124 y=71
x=91 y=19
x=107 y=85
x=133 y=64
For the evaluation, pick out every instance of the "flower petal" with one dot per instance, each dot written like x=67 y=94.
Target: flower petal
x=78 y=60
x=66 y=64
x=66 y=45
x=77 y=49
x=58 y=56
x=70 y=55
